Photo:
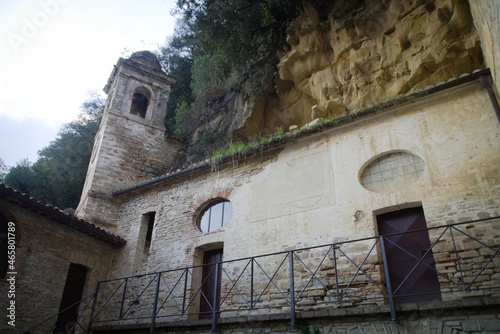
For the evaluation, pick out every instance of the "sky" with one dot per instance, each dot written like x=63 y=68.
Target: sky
x=53 y=52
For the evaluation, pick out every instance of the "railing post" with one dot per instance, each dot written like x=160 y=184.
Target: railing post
x=292 y=288
x=123 y=299
x=458 y=258
x=185 y=291
x=153 y=315
x=387 y=279
x=251 y=283
x=336 y=274
x=92 y=310
x=214 y=305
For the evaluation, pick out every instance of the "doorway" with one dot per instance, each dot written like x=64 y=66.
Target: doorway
x=72 y=293
x=211 y=282
x=406 y=243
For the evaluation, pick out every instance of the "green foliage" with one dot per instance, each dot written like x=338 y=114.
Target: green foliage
x=21 y=177
x=241 y=148
x=175 y=58
x=57 y=177
x=305 y=329
x=3 y=170
x=215 y=41
x=206 y=76
x=183 y=118
x=240 y=31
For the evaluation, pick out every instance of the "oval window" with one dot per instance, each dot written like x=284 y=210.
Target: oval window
x=392 y=170
x=215 y=215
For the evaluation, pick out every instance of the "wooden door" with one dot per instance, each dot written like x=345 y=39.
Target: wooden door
x=72 y=293
x=410 y=280
x=211 y=283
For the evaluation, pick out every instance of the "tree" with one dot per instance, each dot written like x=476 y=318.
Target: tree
x=57 y=177
x=237 y=32
x=21 y=177
x=216 y=41
x=175 y=58
x=183 y=118
x=3 y=170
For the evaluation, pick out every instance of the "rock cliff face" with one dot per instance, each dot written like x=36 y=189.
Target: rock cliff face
x=350 y=54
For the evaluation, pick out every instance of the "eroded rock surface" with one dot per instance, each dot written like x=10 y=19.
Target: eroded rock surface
x=369 y=51
x=356 y=53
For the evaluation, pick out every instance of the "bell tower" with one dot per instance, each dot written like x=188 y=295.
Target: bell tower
x=130 y=146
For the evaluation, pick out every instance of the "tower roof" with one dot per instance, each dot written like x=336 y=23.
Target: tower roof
x=146 y=58
x=144 y=62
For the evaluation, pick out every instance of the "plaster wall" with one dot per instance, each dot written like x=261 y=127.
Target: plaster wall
x=309 y=193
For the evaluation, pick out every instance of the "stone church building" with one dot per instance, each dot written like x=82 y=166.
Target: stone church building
x=381 y=218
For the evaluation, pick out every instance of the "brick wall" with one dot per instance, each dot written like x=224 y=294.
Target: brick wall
x=43 y=255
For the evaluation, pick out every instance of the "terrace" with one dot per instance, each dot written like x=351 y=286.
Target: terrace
x=324 y=281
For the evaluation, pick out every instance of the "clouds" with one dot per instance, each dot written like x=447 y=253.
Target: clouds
x=54 y=51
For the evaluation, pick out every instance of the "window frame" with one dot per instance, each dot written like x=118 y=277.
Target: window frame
x=139 y=104
x=208 y=209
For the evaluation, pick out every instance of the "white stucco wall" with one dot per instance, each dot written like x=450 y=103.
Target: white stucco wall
x=309 y=193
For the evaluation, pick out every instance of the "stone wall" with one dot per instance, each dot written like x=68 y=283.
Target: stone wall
x=486 y=21
x=433 y=318
x=309 y=193
x=44 y=251
x=129 y=148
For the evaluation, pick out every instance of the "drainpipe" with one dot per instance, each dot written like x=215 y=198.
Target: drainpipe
x=491 y=93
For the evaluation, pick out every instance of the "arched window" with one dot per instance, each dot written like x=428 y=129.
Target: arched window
x=140 y=102
x=215 y=215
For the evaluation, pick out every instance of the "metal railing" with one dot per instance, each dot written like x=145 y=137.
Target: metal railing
x=60 y=322
x=344 y=274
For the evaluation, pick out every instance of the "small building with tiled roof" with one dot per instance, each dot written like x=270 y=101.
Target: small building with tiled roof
x=40 y=246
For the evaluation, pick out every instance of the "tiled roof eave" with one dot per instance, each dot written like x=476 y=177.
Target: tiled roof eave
x=13 y=196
